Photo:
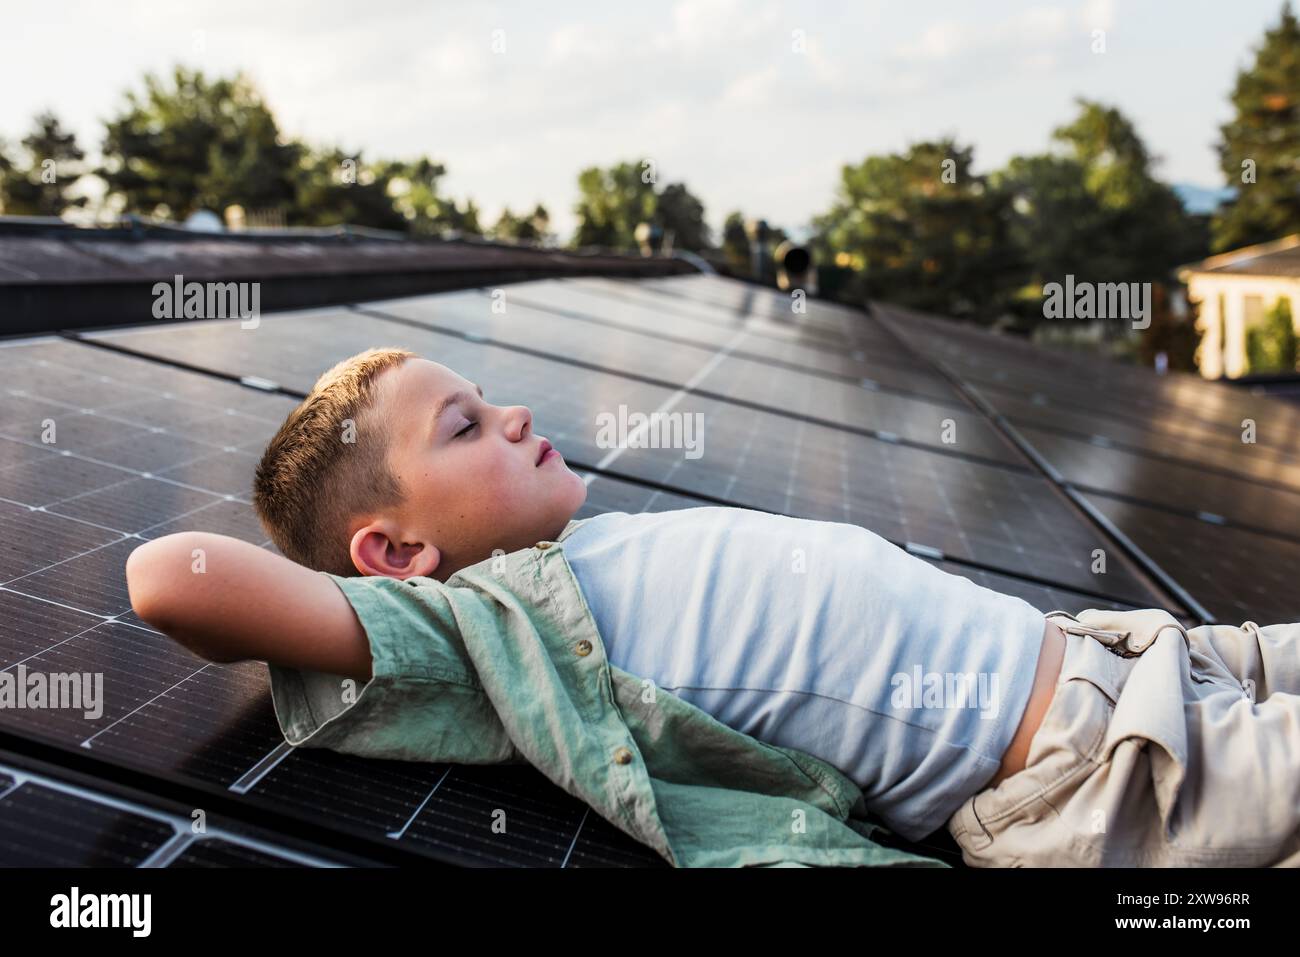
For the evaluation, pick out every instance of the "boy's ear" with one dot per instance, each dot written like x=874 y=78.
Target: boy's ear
x=376 y=552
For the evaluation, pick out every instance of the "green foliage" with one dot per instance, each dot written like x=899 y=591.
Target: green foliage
x=921 y=228
x=413 y=185
x=1095 y=210
x=924 y=230
x=613 y=201
x=332 y=187
x=525 y=229
x=1265 y=131
x=1271 y=345
x=37 y=184
x=681 y=215
x=194 y=144
x=735 y=243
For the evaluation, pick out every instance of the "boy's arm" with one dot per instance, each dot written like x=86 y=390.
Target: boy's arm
x=245 y=603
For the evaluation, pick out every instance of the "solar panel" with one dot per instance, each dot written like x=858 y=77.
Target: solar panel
x=813 y=469
x=47 y=821
x=158 y=429
x=1163 y=459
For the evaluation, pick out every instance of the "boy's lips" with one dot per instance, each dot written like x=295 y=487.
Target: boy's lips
x=541 y=452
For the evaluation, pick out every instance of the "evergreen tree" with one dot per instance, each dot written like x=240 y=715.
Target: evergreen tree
x=1260 y=144
x=735 y=243
x=37 y=184
x=679 y=212
x=1095 y=209
x=925 y=231
x=530 y=228
x=197 y=144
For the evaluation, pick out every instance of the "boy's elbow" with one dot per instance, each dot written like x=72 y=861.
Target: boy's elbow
x=155 y=576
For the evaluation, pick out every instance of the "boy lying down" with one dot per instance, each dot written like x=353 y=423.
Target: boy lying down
x=726 y=685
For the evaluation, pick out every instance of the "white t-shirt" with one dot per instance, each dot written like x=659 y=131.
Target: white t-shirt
x=820 y=636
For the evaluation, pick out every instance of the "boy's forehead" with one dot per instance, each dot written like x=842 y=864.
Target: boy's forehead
x=421 y=378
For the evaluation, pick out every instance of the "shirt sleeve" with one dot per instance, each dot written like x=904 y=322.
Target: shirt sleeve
x=423 y=701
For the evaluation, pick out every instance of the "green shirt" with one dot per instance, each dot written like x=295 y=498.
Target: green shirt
x=503 y=663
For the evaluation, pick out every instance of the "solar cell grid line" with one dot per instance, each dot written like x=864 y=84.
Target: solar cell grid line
x=636 y=351
x=765 y=304
x=280 y=352
x=782 y=309
x=1273 y=434
x=1062 y=381
x=775 y=320
x=797 y=395
x=289 y=347
x=786 y=328
x=727 y=293
x=885 y=372
x=867 y=360
x=1171 y=595
x=47 y=821
x=774 y=326
x=1045 y=596
x=1211 y=452
x=1201 y=496
x=1004 y=518
x=1170 y=485
x=1236 y=575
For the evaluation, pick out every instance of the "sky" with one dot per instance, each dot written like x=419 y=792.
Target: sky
x=755 y=105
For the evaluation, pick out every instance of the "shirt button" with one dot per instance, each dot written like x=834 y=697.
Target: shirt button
x=623 y=756
x=584 y=647
x=543 y=546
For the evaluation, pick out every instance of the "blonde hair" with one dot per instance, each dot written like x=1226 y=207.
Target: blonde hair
x=327 y=463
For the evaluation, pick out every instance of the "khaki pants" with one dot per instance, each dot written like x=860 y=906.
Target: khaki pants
x=1178 y=748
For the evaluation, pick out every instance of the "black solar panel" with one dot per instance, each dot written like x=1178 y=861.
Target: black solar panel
x=49 y=822
x=826 y=414
x=1202 y=479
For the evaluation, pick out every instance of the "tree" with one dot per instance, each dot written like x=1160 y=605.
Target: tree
x=1093 y=209
x=197 y=144
x=1271 y=345
x=735 y=243
x=414 y=186
x=38 y=184
x=532 y=228
x=924 y=230
x=680 y=213
x=1260 y=148
x=610 y=205
x=1148 y=231
x=332 y=188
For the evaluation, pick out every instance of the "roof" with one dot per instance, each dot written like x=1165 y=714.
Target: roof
x=1281 y=257
x=1068 y=481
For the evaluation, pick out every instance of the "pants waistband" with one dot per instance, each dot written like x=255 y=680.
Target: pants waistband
x=1125 y=633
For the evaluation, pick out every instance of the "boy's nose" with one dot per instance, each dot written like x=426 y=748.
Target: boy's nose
x=525 y=417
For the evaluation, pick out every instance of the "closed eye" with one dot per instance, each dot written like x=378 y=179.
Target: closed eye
x=466 y=429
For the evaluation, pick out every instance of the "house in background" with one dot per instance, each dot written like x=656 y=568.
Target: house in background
x=1234 y=291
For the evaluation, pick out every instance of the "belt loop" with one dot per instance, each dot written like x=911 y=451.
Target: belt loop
x=1116 y=641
